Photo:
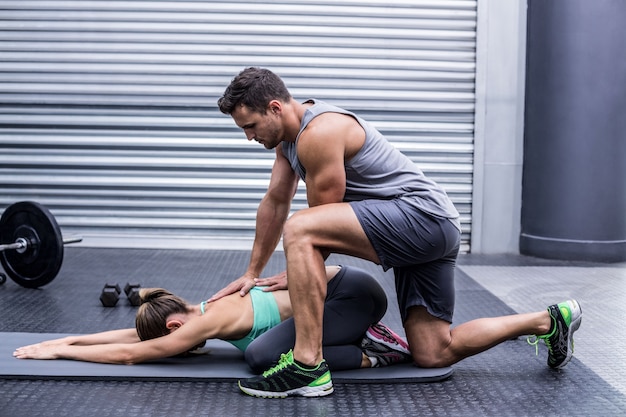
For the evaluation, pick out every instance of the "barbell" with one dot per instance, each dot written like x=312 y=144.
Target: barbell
x=31 y=244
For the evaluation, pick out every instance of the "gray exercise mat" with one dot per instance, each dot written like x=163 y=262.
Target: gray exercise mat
x=221 y=362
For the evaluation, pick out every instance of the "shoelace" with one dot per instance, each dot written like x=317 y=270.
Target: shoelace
x=383 y=333
x=534 y=341
x=283 y=362
x=546 y=339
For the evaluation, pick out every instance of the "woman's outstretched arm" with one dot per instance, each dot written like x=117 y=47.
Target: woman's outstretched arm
x=117 y=346
x=110 y=336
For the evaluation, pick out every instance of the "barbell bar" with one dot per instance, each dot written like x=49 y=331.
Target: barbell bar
x=21 y=244
x=31 y=244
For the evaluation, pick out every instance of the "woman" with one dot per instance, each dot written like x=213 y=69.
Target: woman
x=258 y=323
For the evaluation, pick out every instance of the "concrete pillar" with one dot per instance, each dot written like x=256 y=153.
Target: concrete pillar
x=574 y=171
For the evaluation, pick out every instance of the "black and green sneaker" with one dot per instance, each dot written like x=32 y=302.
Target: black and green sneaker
x=290 y=378
x=566 y=319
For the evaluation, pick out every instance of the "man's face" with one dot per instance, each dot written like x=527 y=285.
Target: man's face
x=264 y=128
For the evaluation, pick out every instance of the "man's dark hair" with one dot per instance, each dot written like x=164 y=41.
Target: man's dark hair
x=255 y=88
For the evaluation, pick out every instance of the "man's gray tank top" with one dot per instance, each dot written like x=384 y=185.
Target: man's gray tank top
x=379 y=170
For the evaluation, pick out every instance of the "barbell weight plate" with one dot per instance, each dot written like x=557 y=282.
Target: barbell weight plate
x=40 y=263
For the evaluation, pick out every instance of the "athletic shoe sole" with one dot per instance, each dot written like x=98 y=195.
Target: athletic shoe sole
x=575 y=310
x=319 y=391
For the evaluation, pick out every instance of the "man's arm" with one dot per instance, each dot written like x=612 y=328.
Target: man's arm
x=271 y=216
x=272 y=213
x=328 y=141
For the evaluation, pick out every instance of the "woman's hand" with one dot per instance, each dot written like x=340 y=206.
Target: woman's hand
x=43 y=350
x=277 y=282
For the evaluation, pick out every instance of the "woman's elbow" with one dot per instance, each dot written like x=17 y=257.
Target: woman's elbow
x=127 y=358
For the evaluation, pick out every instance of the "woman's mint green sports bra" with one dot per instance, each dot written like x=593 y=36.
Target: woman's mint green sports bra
x=266 y=316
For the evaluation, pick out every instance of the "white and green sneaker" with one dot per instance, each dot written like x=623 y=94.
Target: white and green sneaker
x=566 y=318
x=290 y=378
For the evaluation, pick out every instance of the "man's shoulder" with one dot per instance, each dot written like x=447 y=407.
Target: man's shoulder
x=329 y=124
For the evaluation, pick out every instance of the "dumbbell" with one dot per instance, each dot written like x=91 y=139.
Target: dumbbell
x=110 y=295
x=132 y=292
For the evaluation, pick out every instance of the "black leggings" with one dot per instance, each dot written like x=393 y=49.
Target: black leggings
x=354 y=301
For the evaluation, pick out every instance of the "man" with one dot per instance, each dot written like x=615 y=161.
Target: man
x=366 y=199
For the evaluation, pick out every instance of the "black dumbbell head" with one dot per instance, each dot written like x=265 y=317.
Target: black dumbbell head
x=130 y=286
x=110 y=295
x=132 y=292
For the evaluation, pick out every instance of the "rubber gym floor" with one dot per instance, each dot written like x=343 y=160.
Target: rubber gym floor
x=508 y=380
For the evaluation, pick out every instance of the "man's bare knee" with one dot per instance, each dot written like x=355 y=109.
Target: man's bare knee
x=429 y=359
x=429 y=338
x=293 y=232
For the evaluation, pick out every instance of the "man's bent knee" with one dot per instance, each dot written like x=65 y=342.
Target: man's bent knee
x=429 y=359
x=429 y=338
x=294 y=231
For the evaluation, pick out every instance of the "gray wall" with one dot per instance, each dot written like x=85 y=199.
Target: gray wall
x=109 y=113
x=498 y=137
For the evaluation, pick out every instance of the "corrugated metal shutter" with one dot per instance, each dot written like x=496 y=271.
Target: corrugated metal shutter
x=108 y=108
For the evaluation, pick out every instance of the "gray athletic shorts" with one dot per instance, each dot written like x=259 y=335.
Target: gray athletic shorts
x=421 y=248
